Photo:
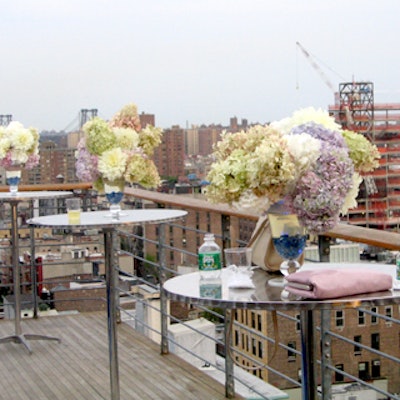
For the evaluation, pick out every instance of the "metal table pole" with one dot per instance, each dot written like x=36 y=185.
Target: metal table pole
x=308 y=387
x=111 y=311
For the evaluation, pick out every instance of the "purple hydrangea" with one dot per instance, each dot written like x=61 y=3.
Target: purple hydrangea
x=320 y=193
x=86 y=164
x=319 y=132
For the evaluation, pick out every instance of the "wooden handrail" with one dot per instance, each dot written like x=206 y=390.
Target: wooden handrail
x=51 y=187
x=373 y=237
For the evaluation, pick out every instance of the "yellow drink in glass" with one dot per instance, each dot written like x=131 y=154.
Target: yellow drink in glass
x=74 y=217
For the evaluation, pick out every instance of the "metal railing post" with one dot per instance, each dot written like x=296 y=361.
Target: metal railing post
x=229 y=374
x=163 y=297
x=326 y=355
x=226 y=235
x=324 y=248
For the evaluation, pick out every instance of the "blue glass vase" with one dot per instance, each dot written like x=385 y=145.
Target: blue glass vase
x=289 y=238
x=114 y=192
x=13 y=178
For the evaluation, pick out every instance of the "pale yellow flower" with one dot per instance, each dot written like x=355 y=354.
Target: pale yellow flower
x=127 y=138
x=142 y=171
x=112 y=164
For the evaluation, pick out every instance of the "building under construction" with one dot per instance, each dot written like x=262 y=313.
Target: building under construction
x=379 y=196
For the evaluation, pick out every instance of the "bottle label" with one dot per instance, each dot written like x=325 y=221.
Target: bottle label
x=211 y=290
x=398 y=269
x=209 y=261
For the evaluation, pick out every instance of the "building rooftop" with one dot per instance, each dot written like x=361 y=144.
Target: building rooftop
x=78 y=366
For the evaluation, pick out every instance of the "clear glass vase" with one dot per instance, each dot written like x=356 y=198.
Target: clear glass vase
x=13 y=178
x=114 y=192
x=289 y=238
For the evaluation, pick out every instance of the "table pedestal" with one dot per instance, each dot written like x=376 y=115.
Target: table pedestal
x=308 y=379
x=18 y=336
x=111 y=278
x=24 y=337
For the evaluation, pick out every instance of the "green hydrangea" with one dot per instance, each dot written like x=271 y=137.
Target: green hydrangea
x=364 y=154
x=99 y=136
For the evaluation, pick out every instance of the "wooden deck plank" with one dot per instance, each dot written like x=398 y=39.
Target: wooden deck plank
x=78 y=367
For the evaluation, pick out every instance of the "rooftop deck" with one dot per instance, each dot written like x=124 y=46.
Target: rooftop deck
x=77 y=368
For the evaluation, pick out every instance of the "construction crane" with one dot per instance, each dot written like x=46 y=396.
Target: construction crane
x=316 y=67
x=348 y=120
x=348 y=117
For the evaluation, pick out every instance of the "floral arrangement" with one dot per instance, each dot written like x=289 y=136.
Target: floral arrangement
x=19 y=146
x=118 y=151
x=306 y=160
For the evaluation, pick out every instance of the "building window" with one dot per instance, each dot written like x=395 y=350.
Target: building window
x=361 y=317
x=259 y=322
x=338 y=376
x=363 y=370
x=376 y=369
x=389 y=314
x=375 y=341
x=374 y=318
x=339 y=318
x=254 y=346
x=260 y=349
x=291 y=354
x=297 y=322
x=237 y=337
x=253 y=320
x=357 y=349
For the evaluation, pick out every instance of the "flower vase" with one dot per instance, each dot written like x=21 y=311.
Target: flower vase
x=114 y=192
x=289 y=238
x=13 y=178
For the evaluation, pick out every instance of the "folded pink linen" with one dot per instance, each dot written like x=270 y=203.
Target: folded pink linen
x=333 y=283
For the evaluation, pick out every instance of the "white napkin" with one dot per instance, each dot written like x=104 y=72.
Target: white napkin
x=239 y=278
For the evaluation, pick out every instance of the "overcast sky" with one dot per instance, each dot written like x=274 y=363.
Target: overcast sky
x=190 y=61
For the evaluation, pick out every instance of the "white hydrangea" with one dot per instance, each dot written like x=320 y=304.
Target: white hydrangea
x=305 y=150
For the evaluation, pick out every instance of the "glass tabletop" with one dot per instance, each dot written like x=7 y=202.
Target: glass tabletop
x=190 y=289
x=101 y=219
x=34 y=195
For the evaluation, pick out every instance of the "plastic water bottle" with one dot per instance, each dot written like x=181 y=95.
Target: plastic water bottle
x=210 y=258
x=396 y=284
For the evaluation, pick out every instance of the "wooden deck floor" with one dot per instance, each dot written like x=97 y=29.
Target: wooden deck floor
x=77 y=368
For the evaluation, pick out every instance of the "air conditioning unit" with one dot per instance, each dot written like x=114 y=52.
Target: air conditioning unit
x=183 y=337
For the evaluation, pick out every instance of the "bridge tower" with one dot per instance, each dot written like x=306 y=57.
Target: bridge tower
x=5 y=119
x=86 y=115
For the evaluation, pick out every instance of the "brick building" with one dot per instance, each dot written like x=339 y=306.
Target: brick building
x=362 y=327
x=169 y=156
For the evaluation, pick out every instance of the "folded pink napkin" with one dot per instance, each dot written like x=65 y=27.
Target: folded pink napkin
x=333 y=283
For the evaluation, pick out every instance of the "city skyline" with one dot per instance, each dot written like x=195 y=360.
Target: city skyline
x=190 y=62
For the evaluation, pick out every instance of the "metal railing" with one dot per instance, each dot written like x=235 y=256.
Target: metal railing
x=159 y=249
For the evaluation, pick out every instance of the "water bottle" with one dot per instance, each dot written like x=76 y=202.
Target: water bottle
x=210 y=258
x=396 y=284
